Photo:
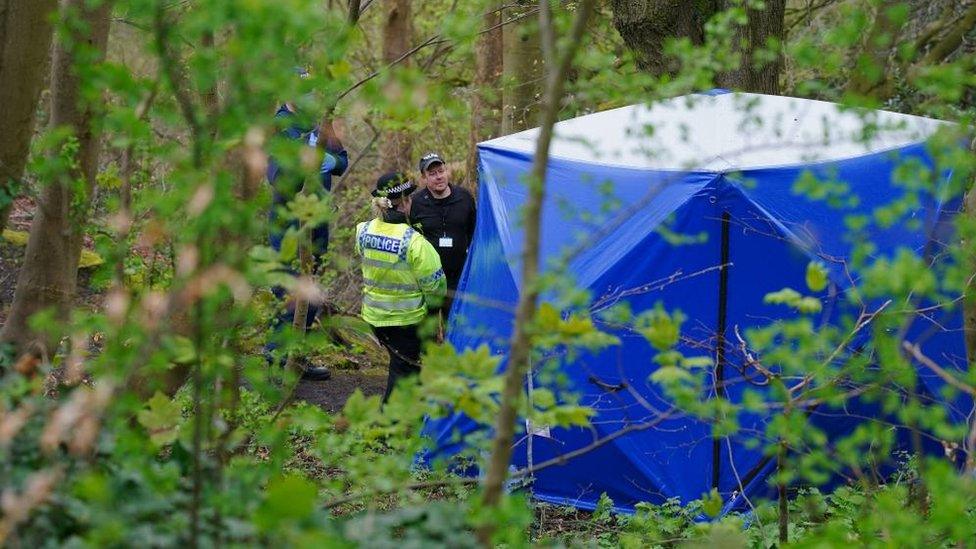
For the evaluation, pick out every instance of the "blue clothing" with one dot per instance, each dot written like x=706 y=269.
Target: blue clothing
x=284 y=187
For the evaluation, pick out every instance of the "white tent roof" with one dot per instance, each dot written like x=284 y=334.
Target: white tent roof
x=727 y=132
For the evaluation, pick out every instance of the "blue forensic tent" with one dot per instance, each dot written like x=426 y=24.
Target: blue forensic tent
x=647 y=204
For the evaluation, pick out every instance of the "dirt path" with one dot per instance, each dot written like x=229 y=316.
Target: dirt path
x=333 y=393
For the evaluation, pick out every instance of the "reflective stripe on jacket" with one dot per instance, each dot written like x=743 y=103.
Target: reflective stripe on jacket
x=402 y=273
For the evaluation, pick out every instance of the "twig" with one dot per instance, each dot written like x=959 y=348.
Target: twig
x=866 y=318
x=393 y=63
x=917 y=354
x=751 y=360
x=125 y=192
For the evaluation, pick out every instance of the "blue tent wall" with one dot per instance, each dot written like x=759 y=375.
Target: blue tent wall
x=611 y=224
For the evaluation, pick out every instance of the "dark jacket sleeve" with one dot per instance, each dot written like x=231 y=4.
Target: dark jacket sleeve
x=472 y=218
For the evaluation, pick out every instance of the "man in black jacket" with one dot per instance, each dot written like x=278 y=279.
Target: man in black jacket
x=445 y=215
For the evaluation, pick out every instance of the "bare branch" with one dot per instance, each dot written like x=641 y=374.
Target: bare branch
x=390 y=65
x=864 y=320
x=916 y=352
x=953 y=39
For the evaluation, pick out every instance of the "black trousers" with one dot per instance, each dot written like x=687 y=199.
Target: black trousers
x=403 y=344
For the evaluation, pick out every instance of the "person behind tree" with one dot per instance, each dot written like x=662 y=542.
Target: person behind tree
x=296 y=124
x=445 y=214
x=402 y=276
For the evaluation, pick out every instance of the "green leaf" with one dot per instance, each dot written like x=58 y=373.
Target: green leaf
x=661 y=329
x=712 y=503
x=289 y=498
x=809 y=305
x=573 y=416
x=794 y=299
x=816 y=276
x=604 y=509
x=161 y=419
x=668 y=375
x=181 y=349
x=289 y=247
x=697 y=362
x=786 y=296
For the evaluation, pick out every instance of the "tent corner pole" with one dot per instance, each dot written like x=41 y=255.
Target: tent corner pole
x=719 y=378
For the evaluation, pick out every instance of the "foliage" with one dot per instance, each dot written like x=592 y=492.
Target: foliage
x=97 y=447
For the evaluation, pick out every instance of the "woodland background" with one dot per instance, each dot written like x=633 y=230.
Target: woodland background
x=136 y=405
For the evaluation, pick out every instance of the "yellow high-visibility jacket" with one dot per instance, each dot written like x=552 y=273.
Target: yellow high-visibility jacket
x=402 y=273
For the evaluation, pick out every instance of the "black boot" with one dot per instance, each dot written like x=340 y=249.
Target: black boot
x=313 y=372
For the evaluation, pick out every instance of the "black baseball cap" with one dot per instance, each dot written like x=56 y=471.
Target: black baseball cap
x=429 y=159
x=394 y=185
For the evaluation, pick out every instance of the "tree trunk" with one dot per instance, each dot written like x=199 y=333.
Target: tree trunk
x=752 y=74
x=49 y=274
x=25 y=44
x=485 y=101
x=647 y=25
x=395 y=146
x=524 y=69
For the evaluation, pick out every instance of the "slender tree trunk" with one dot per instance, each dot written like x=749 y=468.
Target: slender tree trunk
x=970 y=303
x=485 y=101
x=355 y=8
x=49 y=274
x=524 y=71
x=518 y=358
x=25 y=46
x=784 y=503
x=395 y=146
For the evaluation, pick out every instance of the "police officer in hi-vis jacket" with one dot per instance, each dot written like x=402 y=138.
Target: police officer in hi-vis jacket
x=402 y=276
